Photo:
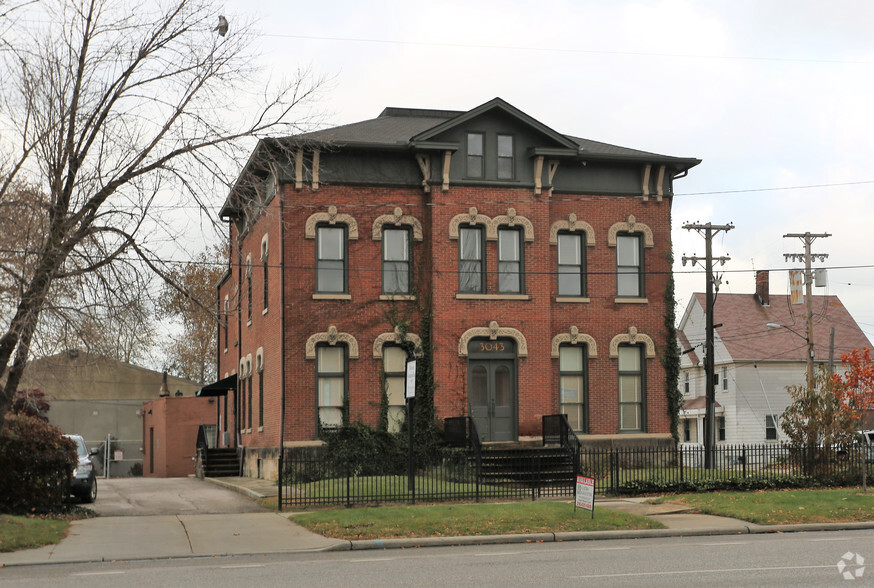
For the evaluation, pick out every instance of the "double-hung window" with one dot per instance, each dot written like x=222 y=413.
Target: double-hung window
x=510 y=261
x=572 y=386
x=770 y=427
x=471 y=260
x=394 y=363
x=396 y=261
x=631 y=388
x=331 y=383
x=506 y=167
x=571 y=265
x=475 y=151
x=629 y=266
x=331 y=266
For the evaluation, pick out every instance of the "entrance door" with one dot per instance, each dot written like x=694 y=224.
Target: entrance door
x=492 y=394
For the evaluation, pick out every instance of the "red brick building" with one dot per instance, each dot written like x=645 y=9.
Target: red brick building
x=527 y=268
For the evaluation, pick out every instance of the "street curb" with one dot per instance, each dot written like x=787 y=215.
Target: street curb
x=751 y=529
x=236 y=488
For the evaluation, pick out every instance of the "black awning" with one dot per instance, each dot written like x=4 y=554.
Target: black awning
x=219 y=388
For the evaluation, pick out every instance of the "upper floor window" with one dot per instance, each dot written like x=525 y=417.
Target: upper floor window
x=396 y=261
x=249 y=288
x=631 y=388
x=331 y=385
x=629 y=266
x=573 y=387
x=475 y=146
x=724 y=378
x=686 y=383
x=506 y=167
x=331 y=262
x=264 y=255
x=510 y=261
x=471 y=260
x=394 y=363
x=571 y=265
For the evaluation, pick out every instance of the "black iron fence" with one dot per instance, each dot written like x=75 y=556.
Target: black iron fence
x=472 y=472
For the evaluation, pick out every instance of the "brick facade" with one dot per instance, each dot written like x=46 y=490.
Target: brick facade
x=297 y=319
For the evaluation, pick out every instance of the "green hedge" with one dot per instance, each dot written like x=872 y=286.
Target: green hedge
x=36 y=465
x=638 y=487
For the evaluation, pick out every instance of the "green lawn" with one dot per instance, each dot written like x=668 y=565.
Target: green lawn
x=17 y=532
x=465 y=519
x=774 y=507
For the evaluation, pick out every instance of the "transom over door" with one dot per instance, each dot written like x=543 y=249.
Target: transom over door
x=492 y=396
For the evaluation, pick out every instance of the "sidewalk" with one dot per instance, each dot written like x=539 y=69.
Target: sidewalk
x=198 y=535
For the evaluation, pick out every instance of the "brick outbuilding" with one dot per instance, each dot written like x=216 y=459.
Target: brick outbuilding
x=526 y=269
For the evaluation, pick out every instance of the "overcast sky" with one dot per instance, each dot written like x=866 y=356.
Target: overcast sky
x=774 y=96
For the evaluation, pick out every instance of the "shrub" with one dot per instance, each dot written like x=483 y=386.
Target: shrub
x=38 y=462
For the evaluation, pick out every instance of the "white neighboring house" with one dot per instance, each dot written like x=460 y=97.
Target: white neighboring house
x=754 y=363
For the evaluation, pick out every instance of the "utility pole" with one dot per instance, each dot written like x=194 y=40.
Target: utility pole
x=708 y=231
x=808 y=239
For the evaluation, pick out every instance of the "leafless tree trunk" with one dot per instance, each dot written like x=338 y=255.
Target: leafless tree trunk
x=121 y=113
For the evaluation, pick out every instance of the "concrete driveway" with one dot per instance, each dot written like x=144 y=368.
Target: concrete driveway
x=167 y=496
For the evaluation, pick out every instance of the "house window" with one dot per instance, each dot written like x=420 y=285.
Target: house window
x=259 y=366
x=249 y=409
x=249 y=288
x=242 y=424
x=685 y=382
x=264 y=251
x=396 y=261
x=510 y=261
x=724 y=378
x=720 y=428
x=506 y=169
x=394 y=363
x=266 y=283
x=227 y=320
x=471 y=260
x=629 y=266
x=571 y=265
x=331 y=265
x=475 y=155
x=631 y=386
x=687 y=430
x=770 y=427
x=331 y=382
x=573 y=387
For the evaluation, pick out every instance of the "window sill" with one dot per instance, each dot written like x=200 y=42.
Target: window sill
x=397 y=296
x=631 y=301
x=249 y=323
x=226 y=349
x=492 y=297
x=332 y=297
x=574 y=299
x=260 y=429
x=263 y=312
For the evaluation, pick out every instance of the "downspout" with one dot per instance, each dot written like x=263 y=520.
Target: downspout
x=281 y=341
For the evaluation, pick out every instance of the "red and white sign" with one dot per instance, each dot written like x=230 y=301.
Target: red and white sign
x=585 y=495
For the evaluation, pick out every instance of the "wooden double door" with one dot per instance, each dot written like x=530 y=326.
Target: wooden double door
x=492 y=389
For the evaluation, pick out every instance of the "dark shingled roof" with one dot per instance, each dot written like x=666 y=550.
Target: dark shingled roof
x=395 y=127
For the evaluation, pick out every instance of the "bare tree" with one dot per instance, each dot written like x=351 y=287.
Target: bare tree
x=122 y=114
x=191 y=353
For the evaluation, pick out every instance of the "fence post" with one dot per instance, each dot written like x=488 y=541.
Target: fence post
x=348 y=483
x=743 y=459
x=680 y=460
x=279 y=498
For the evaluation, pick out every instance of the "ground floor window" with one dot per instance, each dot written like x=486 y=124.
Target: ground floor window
x=631 y=387
x=331 y=385
x=573 y=386
x=394 y=361
x=770 y=427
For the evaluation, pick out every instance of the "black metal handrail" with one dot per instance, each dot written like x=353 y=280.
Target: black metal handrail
x=201 y=446
x=557 y=429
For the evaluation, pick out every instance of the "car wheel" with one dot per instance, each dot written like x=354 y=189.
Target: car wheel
x=91 y=496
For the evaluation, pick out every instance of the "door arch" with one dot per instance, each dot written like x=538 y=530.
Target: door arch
x=492 y=388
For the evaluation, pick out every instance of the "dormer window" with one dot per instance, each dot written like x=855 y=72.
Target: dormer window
x=475 y=145
x=506 y=169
